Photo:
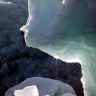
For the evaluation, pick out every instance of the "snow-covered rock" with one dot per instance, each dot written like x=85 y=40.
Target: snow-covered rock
x=45 y=87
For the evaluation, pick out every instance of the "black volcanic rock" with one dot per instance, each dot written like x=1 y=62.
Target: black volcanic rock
x=18 y=62
x=31 y=62
x=12 y=17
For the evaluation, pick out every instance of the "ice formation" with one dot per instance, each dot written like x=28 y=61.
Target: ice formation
x=64 y=30
x=41 y=16
x=27 y=91
x=45 y=87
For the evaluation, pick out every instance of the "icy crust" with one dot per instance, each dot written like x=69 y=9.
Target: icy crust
x=45 y=87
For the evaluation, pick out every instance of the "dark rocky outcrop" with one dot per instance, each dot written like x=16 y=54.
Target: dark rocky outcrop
x=18 y=62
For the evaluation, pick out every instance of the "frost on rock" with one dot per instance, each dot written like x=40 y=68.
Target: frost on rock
x=45 y=87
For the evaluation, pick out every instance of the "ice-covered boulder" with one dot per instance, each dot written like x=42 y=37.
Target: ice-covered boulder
x=45 y=87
